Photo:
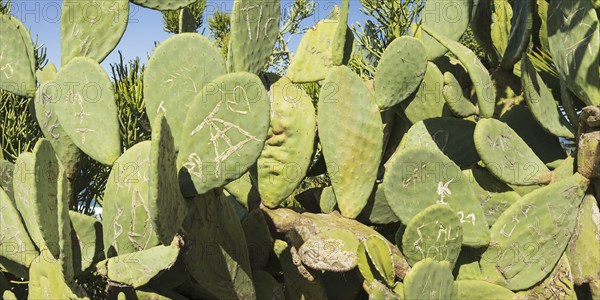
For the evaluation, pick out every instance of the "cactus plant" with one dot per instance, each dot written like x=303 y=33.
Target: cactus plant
x=429 y=279
x=17 y=60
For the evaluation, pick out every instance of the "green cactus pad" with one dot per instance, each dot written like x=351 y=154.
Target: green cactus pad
x=449 y=18
x=380 y=255
x=565 y=169
x=507 y=156
x=451 y=136
x=378 y=290
x=482 y=82
x=127 y=222
x=530 y=236
x=266 y=286
x=68 y=153
x=541 y=102
x=400 y=72
x=244 y=191
x=91 y=29
x=417 y=178
x=34 y=186
x=467 y=265
x=493 y=195
x=46 y=280
x=333 y=250
x=347 y=117
x=87 y=240
x=557 y=285
x=289 y=147
x=66 y=255
x=327 y=200
x=297 y=286
x=163 y=4
x=378 y=209
x=544 y=144
x=520 y=33
x=479 y=289
x=313 y=60
x=254 y=31
x=343 y=38
x=154 y=260
x=575 y=42
x=435 y=232
x=460 y=105
x=84 y=101
x=258 y=239
x=428 y=101
x=166 y=204
x=365 y=265
x=17 y=73
x=177 y=71
x=218 y=258
x=225 y=131
x=429 y=279
x=6 y=179
x=501 y=27
x=584 y=247
x=17 y=251
x=187 y=21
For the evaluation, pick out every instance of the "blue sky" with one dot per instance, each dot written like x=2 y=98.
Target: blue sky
x=42 y=17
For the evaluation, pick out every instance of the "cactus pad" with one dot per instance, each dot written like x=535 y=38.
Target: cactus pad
x=451 y=136
x=429 y=279
x=46 y=280
x=435 y=232
x=507 y=156
x=380 y=255
x=543 y=219
x=500 y=29
x=574 y=39
x=332 y=250
x=176 y=72
x=187 y=22
x=493 y=195
x=449 y=18
x=127 y=221
x=313 y=60
x=347 y=117
x=282 y=164
x=557 y=285
x=166 y=204
x=258 y=239
x=154 y=260
x=343 y=38
x=17 y=73
x=400 y=72
x=6 y=179
x=229 y=119
x=64 y=229
x=218 y=257
x=327 y=200
x=455 y=98
x=17 y=251
x=417 y=178
x=163 y=4
x=91 y=29
x=35 y=190
x=584 y=247
x=378 y=290
x=88 y=241
x=482 y=82
x=254 y=31
x=84 y=101
x=378 y=209
x=541 y=102
x=479 y=289
x=244 y=191
x=520 y=33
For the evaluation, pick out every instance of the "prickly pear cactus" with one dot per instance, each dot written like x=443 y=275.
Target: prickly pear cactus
x=449 y=18
x=584 y=247
x=231 y=116
x=88 y=240
x=348 y=116
x=93 y=35
x=17 y=61
x=429 y=279
x=84 y=102
x=47 y=281
x=479 y=289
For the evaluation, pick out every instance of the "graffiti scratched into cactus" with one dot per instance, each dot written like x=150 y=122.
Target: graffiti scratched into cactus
x=433 y=150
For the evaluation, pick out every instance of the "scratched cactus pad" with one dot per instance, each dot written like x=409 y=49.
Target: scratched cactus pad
x=17 y=73
x=313 y=60
x=13 y=232
x=436 y=233
x=176 y=72
x=91 y=29
x=166 y=204
x=35 y=190
x=507 y=156
x=84 y=101
x=417 y=178
x=584 y=247
x=349 y=117
x=127 y=221
x=529 y=238
x=224 y=132
x=289 y=147
x=254 y=31
x=429 y=279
